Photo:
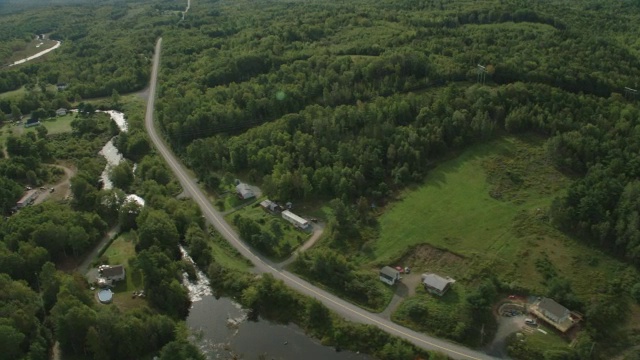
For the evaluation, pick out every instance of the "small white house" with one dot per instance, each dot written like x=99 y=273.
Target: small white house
x=389 y=275
x=294 y=219
x=244 y=191
x=61 y=112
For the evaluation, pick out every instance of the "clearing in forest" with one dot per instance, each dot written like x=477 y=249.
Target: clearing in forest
x=490 y=207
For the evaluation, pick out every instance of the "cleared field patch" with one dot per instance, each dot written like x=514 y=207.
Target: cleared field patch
x=32 y=48
x=490 y=207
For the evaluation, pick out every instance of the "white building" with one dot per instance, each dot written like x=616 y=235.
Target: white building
x=296 y=220
x=389 y=275
x=27 y=198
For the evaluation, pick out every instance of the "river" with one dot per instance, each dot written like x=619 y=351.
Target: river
x=219 y=326
x=222 y=330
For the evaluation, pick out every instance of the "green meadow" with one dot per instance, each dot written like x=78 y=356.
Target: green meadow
x=488 y=210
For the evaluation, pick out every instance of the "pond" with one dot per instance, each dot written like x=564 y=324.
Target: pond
x=222 y=330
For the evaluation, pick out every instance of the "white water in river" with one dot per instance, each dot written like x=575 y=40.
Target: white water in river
x=114 y=157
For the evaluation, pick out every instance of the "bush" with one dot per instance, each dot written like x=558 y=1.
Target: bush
x=635 y=292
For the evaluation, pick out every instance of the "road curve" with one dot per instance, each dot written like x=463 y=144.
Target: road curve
x=339 y=306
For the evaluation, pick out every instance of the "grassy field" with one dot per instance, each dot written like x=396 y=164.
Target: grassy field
x=487 y=210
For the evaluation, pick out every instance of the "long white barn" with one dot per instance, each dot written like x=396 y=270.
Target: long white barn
x=295 y=219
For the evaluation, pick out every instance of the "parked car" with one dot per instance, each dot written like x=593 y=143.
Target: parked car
x=530 y=322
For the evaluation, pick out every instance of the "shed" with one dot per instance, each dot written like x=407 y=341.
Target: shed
x=436 y=284
x=554 y=311
x=32 y=122
x=27 y=198
x=244 y=191
x=61 y=112
x=294 y=219
x=269 y=205
x=389 y=275
x=114 y=273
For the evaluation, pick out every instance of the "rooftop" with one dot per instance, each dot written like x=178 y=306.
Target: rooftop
x=553 y=307
x=295 y=217
x=389 y=271
x=113 y=271
x=436 y=281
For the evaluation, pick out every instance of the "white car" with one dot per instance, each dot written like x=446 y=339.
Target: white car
x=530 y=321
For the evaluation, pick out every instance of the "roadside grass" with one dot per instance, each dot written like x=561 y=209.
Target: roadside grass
x=290 y=237
x=508 y=234
x=444 y=316
x=227 y=256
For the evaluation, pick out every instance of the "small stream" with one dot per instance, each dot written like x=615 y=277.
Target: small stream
x=221 y=329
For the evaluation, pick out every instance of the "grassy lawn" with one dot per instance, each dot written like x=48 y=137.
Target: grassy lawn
x=549 y=341
x=58 y=125
x=489 y=207
x=119 y=252
x=121 y=249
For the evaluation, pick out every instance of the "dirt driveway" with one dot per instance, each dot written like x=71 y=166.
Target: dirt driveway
x=61 y=189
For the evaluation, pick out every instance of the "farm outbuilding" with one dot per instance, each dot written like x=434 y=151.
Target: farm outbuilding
x=389 y=275
x=294 y=219
x=27 y=198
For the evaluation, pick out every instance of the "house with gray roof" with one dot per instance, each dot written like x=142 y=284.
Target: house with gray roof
x=553 y=311
x=389 y=275
x=244 y=191
x=436 y=284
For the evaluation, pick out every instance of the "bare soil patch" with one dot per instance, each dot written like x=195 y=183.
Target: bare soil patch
x=426 y=257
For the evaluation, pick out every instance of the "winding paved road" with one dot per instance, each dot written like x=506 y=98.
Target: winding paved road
x=339 y=306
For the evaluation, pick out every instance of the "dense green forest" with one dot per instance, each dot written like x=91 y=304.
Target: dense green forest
x=356 y=101
x=345 y=104
x=360 y=99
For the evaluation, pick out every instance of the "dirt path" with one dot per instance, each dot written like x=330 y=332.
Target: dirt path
x=318 y=230
x=61 y=189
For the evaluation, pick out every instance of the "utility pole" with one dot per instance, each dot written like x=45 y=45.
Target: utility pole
x=482 y=74
x=630 y=94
